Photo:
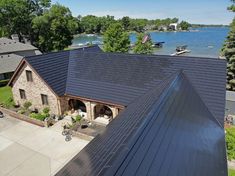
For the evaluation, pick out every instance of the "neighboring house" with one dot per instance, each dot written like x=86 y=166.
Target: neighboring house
x=171 y=121
x=8 y=64
x=11 y=53
x=173 y=26
x=230 y=103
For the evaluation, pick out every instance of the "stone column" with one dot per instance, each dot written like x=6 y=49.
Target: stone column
x=93 y=110
x=114 y=111
x=88 y=110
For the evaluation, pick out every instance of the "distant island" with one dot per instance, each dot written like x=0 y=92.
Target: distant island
x=208 y=25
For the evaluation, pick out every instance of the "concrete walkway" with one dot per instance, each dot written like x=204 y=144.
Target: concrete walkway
x=29 y=150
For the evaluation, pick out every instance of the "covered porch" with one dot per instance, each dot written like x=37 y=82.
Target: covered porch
x=90 y=110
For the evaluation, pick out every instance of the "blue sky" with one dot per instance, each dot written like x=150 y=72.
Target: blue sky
x=193 y=11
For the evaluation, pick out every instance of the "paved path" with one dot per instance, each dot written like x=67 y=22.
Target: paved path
x=29 y=150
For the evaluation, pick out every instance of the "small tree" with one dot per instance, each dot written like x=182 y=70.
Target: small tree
x=143 y=47
x=184 y=25
x=79 y=119
x=116 y=39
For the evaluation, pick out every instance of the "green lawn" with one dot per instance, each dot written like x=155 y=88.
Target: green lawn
x=6 y=97
x=231 y=172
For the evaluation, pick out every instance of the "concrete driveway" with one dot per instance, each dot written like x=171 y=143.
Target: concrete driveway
x=29 y=150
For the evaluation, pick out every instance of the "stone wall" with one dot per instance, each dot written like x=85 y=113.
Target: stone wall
x=33 y=91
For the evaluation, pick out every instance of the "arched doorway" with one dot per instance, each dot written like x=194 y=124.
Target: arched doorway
x=77 y=106
x=103 y=113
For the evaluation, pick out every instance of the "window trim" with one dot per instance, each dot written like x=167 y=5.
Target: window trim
x=22 y=94
x=29 y=75
x=44 y=99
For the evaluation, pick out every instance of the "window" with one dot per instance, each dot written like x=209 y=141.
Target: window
x=29 y=76
x=22 y=94
x=44 y=99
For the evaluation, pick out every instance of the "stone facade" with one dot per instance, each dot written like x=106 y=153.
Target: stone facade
x=33 y=91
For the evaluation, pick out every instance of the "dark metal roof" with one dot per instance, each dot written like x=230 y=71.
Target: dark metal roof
x=53 y=67
x=167 y=131
x=121 y=78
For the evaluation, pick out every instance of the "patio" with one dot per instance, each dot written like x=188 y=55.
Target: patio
x=26 y=149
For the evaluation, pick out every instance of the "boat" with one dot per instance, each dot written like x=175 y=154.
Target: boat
x=181 y=50
x=158 y=44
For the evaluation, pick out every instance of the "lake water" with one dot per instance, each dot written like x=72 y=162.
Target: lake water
x=204 y=42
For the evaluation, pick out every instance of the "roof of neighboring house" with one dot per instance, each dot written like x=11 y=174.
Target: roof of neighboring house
x=167 y=131
x=230 y=96
x=9 y=46
x=9 y=62
x=121 y=78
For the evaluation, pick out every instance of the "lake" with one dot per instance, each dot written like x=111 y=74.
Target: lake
x=204 y=42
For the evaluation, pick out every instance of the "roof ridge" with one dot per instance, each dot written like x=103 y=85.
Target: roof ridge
x=193 y=87
x=144 y=123
x=157 y=55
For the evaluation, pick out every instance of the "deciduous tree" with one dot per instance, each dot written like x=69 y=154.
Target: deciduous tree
x=116 y=39
x=16 y=15
x=54 y=29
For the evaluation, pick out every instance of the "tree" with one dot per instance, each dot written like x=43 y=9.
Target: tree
x=90 y=24
x=116 y=39
x=184 y=25
x=232 y=7
x=143 y=47
x=54 y=29
x=126 y=23
x=228 y=51
x=16 y=16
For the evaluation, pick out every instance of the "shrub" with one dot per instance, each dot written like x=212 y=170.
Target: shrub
x=21 y=111
x=39 y=116
x=27 y=104
x=78 y=118
x=46 y=110
x=230 y=143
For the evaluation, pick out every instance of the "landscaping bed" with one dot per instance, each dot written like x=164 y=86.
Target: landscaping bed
x=22 y=117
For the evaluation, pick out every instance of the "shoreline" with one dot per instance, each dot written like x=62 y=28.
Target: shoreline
x=196 y=29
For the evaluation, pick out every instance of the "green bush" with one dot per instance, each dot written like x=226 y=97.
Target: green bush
x=78 y=118
x=22 y=111
x=39 y=116
x=27 y=104
x=230 y=143
x=46 y=110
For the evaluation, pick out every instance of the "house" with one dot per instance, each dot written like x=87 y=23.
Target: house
x=164 y=118
x=173 y=26
x=11 y=53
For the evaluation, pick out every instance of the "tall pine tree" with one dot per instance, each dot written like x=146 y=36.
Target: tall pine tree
x=229 y=52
